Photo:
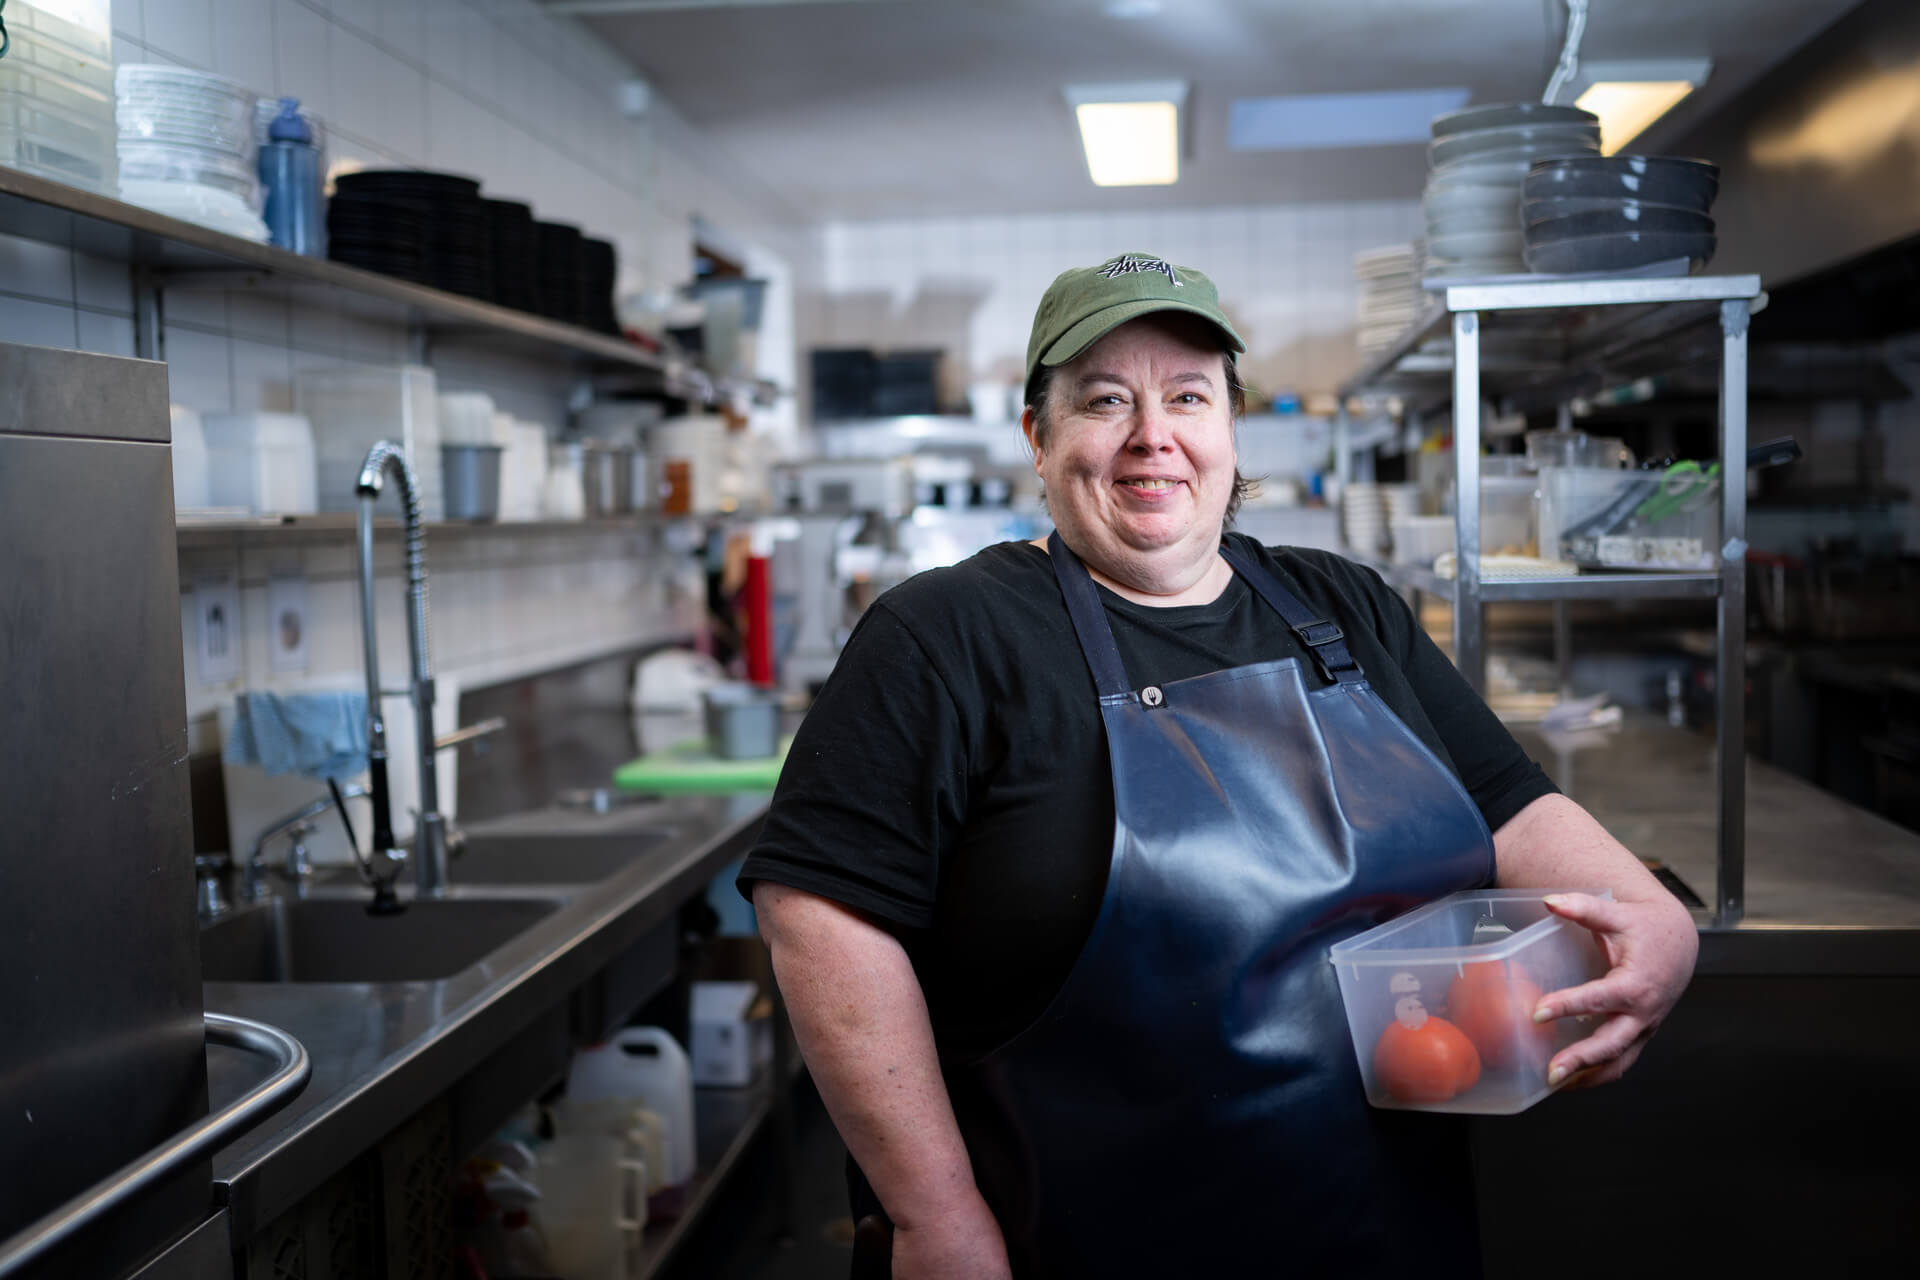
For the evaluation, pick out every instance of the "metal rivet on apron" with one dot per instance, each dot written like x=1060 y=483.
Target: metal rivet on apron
x=1152 y=696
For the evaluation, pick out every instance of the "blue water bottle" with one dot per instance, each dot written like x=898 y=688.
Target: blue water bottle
x=290 y=169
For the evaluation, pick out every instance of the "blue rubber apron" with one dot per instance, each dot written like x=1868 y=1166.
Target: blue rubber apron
x=1189 y=1104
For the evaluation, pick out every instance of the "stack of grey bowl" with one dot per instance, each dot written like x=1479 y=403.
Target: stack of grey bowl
x=1648 y=215
x=1477 y=161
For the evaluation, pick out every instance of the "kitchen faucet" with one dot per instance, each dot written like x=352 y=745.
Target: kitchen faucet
x=297 y=826
x=430 y=832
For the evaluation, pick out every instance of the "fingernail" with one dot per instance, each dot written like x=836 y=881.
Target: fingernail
x=1555 y=900
x=1543 y=1014
x=1556 y=1075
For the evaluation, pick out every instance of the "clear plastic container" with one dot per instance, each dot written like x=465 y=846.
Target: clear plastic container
x=1420 y=540
x=1440 y=1001
x=1507 y=515
x=54 y=142
x=1604 y=518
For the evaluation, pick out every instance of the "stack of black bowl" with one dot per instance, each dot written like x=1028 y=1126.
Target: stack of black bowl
x=599 y=263
x=420 y=226
x=558 y=247
x=1629 y=214
x=516 y=254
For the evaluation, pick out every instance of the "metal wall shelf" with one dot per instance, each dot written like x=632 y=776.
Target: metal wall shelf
x=1597 y=330
x=168 y=253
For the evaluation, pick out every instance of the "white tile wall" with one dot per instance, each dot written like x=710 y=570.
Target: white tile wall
x=1284 y=274
x=493 y=88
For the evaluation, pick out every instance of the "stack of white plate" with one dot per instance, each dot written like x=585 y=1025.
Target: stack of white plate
x=1363 y=518
x=187 y=147
x=1477 y=160
x=1390 y=297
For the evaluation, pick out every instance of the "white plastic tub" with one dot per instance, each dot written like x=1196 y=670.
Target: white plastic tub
x=1443 y=1023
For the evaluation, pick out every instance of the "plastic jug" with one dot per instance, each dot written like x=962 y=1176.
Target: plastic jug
x=647 y=1065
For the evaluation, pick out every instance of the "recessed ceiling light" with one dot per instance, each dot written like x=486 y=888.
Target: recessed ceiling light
x=1629 y=96
x=1313 y=121
x=1131 y=10
x=1131 y=132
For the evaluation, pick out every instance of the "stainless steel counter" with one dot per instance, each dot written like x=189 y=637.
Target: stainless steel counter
x=383 y=1051
x=1815 y=864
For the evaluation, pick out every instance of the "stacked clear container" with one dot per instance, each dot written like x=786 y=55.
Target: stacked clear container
x=56 y=92
x=187 y=147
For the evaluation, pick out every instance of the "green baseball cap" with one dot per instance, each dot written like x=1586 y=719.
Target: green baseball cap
x=1085 y=304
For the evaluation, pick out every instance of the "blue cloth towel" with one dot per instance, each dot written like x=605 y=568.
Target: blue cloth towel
x=323 y=735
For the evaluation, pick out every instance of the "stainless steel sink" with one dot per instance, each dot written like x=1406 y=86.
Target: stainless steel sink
x=335 y=940
x=571 y=859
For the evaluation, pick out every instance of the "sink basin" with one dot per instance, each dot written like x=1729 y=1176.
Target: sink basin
x=509 y=858
x=335 y=940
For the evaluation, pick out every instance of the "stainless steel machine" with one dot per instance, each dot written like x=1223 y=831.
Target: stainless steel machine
x=102 y=1043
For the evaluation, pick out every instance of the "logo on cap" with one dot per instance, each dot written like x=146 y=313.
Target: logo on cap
x=1127 y=264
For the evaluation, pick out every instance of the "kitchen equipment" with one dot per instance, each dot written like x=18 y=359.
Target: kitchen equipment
x=591 y=1205
x=564 y=496
x=104 y=1056
x=1501 y=115
x=187 y=146
x=561 y=268
x=1691 y=184
x=416 y=224
x=1613 y=519
x=607 y=478
x=1567 y=448
x=263 y=462
x=1443 y=961
x=743 y=723
x=470 y=480
x=687 y=455
x=352 y=408
x=1420 y=540
x=293 y=169
x=512 y=248
x=689 y=768
x=189 y=459
x=648 y=1066
x=523 y=467
x=1613 y=222
x=1674 y=253
x=56 y=93
x=732 y=1033
x=1473 y=187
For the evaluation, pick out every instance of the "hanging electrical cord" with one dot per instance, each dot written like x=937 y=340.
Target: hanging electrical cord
x=1570 y=51
x=5 y=39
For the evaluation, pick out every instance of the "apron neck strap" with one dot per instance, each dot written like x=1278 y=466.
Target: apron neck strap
x=1323 y=639
x=1089 y=619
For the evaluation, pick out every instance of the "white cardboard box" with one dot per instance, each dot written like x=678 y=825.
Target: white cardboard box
x=732 y=1040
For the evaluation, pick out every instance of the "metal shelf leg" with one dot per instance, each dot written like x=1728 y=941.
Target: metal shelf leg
x=1469 y=633
x=1730 y=682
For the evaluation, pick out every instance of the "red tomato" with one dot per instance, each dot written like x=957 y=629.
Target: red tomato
x=1493 y=1003
x=1430 y=1062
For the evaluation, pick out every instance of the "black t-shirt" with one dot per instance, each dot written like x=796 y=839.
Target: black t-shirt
x=951 y=781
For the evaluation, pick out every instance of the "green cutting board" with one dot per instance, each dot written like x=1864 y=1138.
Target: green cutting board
x=690 y=769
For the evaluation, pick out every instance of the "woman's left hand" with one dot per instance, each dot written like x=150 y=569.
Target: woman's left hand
x=1650 y=948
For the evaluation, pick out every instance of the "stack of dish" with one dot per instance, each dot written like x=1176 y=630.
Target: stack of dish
x=561 y=266
x=1639 y=214
x=431 y=228
x=1477 y=160
x=1363 y=518
x=186 y=146
x=1390 y=297
x=599 y=262
x=515 y=254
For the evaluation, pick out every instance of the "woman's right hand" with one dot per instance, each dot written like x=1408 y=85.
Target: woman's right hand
x=958 y=1245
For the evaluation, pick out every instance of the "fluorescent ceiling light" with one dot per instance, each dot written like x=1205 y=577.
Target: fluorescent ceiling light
x=1313 y=121
x=1629 y=96
x=1131 y=132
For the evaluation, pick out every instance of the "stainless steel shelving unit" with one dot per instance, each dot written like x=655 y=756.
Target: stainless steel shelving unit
x=1606 y=331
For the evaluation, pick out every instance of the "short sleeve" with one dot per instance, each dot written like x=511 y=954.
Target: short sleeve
x=874 y=785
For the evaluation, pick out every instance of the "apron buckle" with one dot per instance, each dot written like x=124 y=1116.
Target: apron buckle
x=1323 y=634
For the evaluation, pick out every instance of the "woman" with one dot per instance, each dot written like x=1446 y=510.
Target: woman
x=1052 y=870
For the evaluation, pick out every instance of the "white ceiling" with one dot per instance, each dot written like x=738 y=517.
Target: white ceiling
x=880 y=108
